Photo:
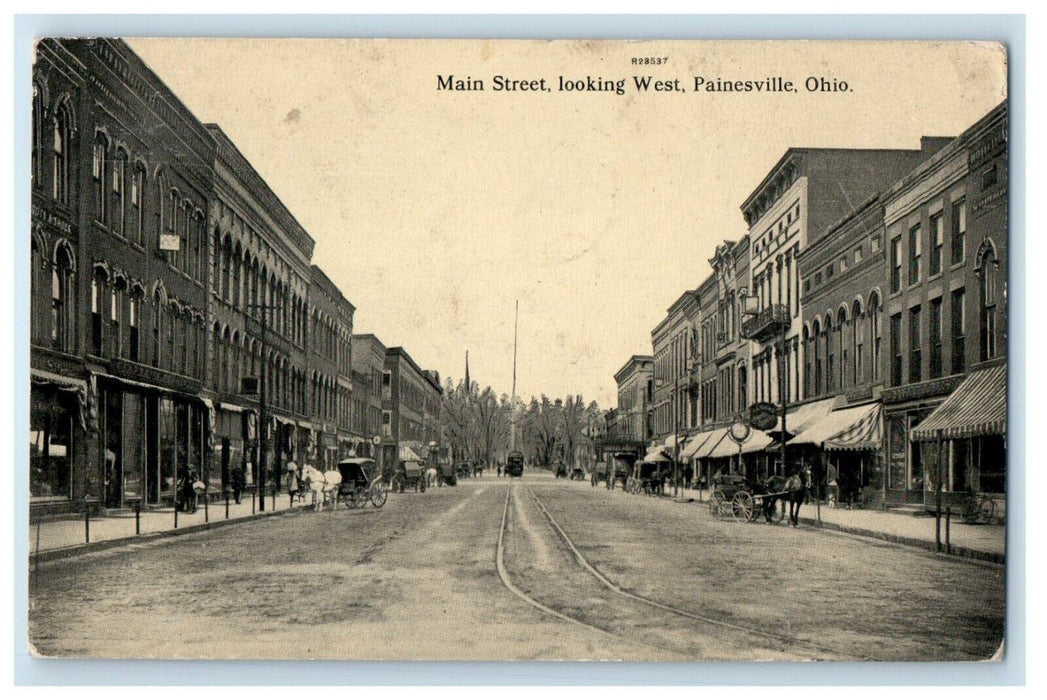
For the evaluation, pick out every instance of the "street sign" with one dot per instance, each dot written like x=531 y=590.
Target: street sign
x=763 y=415
x=739 y=432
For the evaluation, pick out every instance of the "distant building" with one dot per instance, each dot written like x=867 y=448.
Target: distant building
x=674 y=390
x=635 y=393
x=368 y=363
x=330 y=365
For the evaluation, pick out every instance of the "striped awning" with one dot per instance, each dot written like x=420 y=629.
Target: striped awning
x=715 y=438
x=851 y=428
x=694 y=444
x=757 y=442
x=977 y=407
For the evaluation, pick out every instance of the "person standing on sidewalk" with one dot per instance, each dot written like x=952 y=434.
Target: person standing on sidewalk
x=239 y=481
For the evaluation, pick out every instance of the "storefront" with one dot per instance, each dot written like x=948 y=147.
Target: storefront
x=151 y=438
x=57 y=440
x=846 y=445
x=963 y=441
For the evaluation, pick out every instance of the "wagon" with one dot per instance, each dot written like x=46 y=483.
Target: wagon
x=409 y=475
x=599 y=473
x=736 y=497
x=361 y=483
x=646 y=478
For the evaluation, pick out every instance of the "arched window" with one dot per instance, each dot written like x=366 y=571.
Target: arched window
x=38 y=132
x=846 y=341
x=61 y=299
x=816 y=340
x=137 y=205
x=98 y=304
x=132 y=327
x=99 y=172
x=830 y=354
x=988 y=272
x=159 y=214
x=858 y=321
x=158 y=326
x=61 y=144
x=216 y=357
x=118 y=188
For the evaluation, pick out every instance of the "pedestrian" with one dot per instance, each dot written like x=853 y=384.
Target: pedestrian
x=238 y=482
x=499 y=470
x=188 y=491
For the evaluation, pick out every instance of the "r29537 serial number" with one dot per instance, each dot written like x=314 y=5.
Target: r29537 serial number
x=649 y=60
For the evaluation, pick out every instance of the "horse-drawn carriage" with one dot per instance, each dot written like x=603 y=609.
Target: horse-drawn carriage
x=577 y=474
x=735 y=496
x=647 y=478
x=361 y=483
x=560 y=470
x=409 y=475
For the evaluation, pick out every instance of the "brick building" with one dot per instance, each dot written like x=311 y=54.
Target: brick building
x=368 y=363
x=258 y=316
x=330 y=370
x=945 y=310
x=121 y=184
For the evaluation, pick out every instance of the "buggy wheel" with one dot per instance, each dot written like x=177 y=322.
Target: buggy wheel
x=379 y=493
x=717 y=504
x=360 y=496
x=399 y=484
x=742 y=506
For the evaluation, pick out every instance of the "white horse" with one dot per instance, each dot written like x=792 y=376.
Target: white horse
x=332 y=483
x=313 y=481
x=432 y=478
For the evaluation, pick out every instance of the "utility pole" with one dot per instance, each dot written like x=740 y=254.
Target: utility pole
x=263 y=408
x=512 y=414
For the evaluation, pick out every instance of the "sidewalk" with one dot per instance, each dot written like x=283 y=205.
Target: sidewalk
x=985 y=542
x=57 y=538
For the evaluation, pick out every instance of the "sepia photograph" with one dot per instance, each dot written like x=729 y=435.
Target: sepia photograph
x=517 y=350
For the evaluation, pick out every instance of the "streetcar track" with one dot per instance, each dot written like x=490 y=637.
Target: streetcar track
x=615 y=588
x=503 y=574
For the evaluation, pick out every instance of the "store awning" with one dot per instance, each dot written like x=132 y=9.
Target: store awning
x=802 y=417
x=694 y=444
x=757 y=442
x=851 y=428
x=977 y=407
x=670 y=442
x=715 y=438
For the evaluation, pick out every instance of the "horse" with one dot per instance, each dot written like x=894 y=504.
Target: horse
x=332 y=484
x=793 y=490
x=432 y=477
x=314 y=482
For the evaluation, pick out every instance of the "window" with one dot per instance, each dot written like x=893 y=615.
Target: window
x=989 y=177
x=97 y=319
x=958 y=231
x=874 y=244
x=988 y=269
x=116 y=310
x=859 y=346
x=38 y=114
x=937 y=244
x=915 y=347
x=62 y=136
x=896 y=350
x=98 y=174
x=158 y=325
x=915 y=251
x=843 y=264
x=857 y=255
x=60 y=287
x=119 y=192
x=896 y=264
x=132 y=324
x=137 y=210
x=935 y=332
x=958 y=333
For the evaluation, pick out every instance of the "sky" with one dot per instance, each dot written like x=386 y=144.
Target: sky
x=434 y=210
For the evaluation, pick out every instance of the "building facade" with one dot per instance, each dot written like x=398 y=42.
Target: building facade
x=330 y=370
x=258 y=316
x=945 y=315
x=368 y=362
x=635 y=394
x=121 y=186
x=674 y=391
x=405 y=392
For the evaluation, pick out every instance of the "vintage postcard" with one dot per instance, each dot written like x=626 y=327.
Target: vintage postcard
x=518 y=350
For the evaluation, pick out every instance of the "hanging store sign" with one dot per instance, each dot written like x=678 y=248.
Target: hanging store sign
x=170 y=241
x=763 y=415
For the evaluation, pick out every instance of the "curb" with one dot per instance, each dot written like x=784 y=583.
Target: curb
x=75 y=550
x=957 y=551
